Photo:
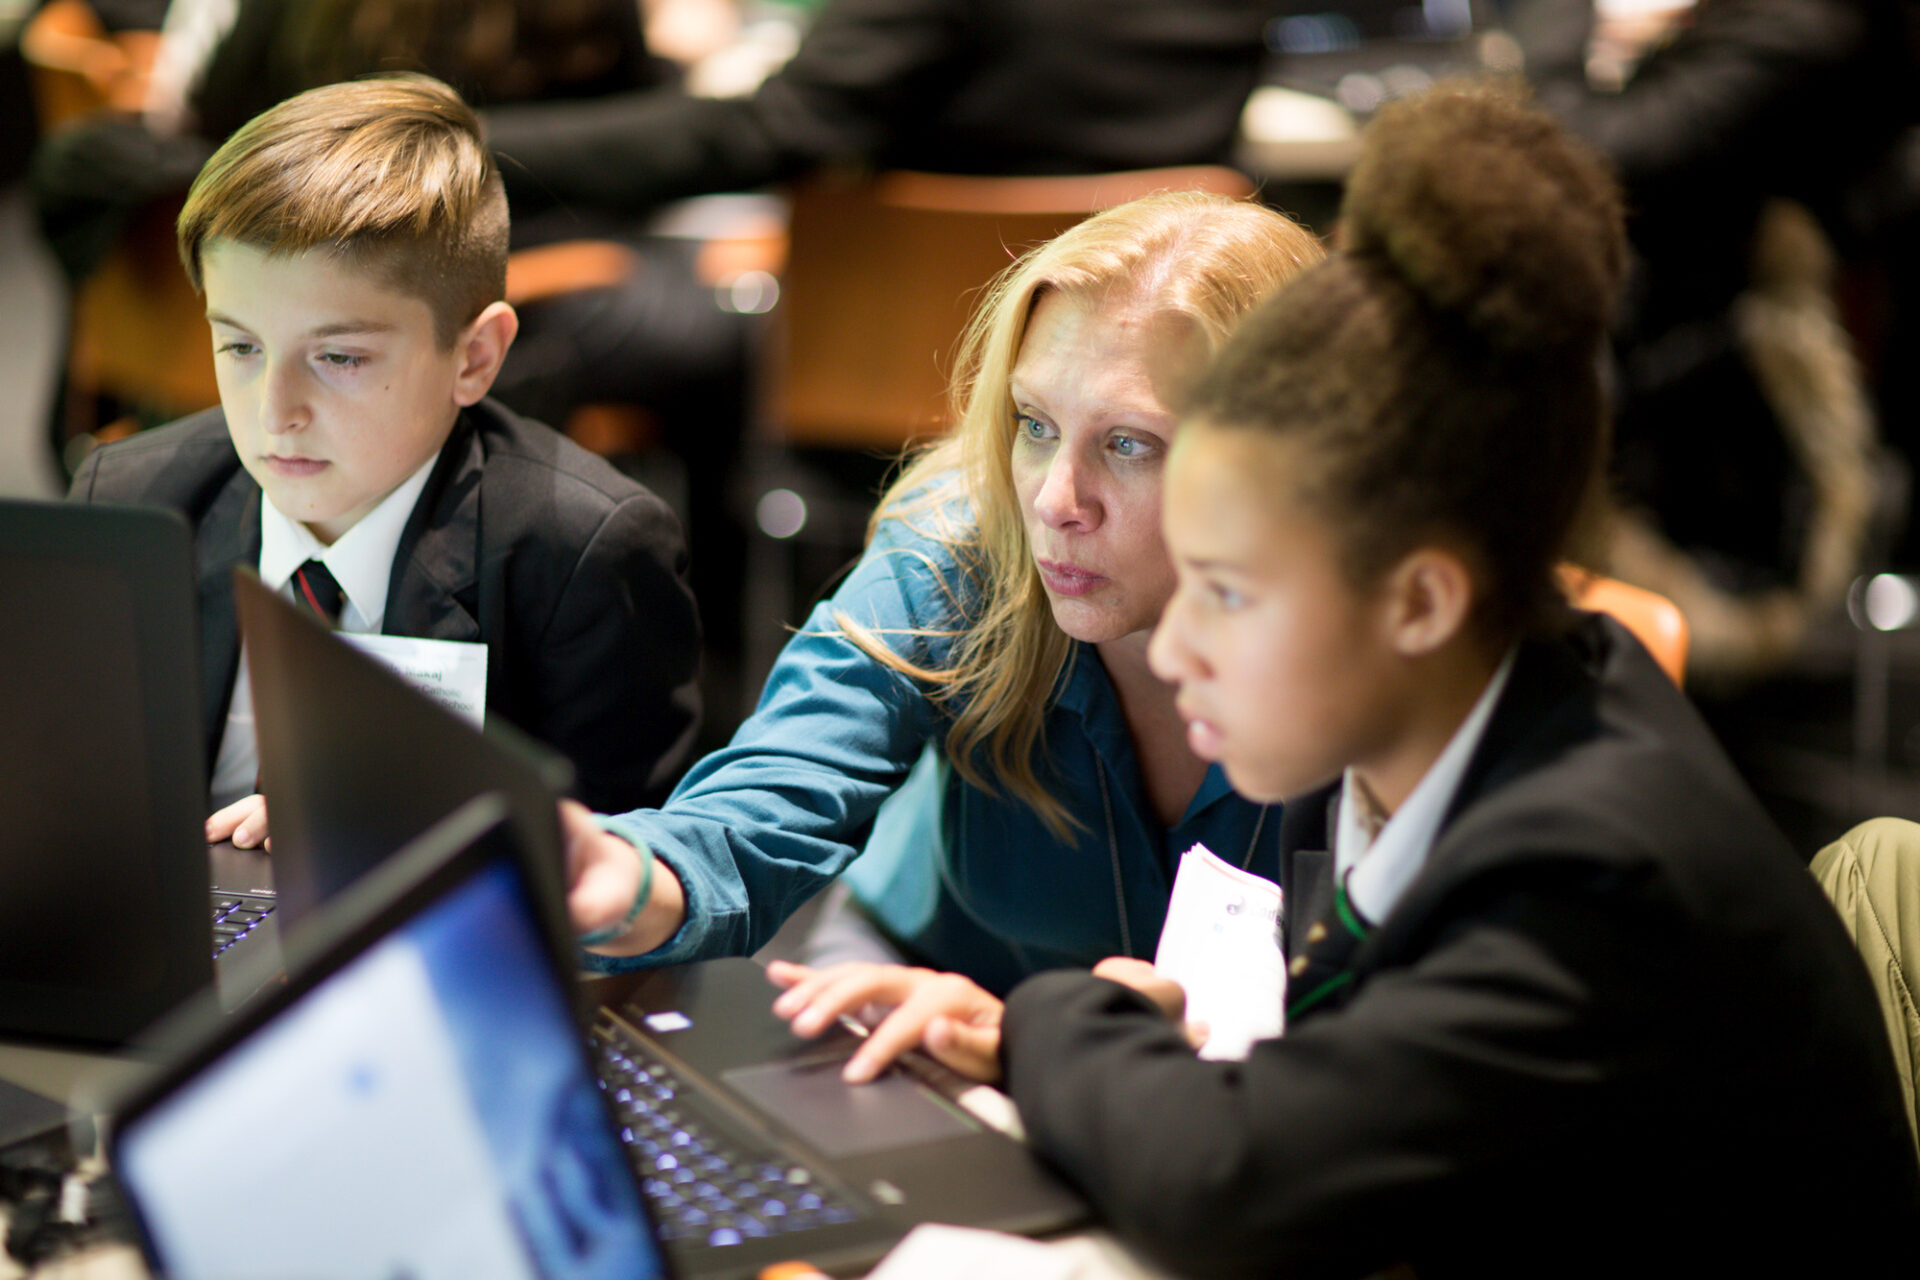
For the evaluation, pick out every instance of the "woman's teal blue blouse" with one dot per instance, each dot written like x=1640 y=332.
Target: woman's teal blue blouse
x=842 y=767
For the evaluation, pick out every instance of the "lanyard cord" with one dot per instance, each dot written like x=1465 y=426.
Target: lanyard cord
x=1259 y=824
x=1113 y=854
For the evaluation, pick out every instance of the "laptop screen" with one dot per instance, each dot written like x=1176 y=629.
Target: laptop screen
x=425 y=1110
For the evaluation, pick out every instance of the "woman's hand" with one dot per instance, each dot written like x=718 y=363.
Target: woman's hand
x=956 y=1021
x=1166 y=994
x=603 y=881
x=244 y=822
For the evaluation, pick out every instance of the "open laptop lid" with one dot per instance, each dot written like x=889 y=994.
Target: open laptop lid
x=416 y=1099
x=905 y=1149
x=103 y=867
x=354 y=762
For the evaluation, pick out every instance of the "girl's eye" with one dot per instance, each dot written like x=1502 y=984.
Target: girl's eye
x=235 y=348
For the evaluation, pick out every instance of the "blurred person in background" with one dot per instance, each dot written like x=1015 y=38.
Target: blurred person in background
x=948 y=86
x=1751 y=137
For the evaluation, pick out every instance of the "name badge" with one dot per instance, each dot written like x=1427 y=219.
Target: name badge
x=1221 y=943
x=451 y=672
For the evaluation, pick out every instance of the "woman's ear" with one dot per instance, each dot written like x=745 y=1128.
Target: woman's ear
x=1429 y=597
x=480 y=349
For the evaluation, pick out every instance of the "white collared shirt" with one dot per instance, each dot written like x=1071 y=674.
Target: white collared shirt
x=360 y=560
x=1379 y=860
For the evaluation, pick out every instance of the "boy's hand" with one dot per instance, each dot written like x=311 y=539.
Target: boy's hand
x=956 y=1021
x=1167 y=994
x=603 y=877
x=244 y=822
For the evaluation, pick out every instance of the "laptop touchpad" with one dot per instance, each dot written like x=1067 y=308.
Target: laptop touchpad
x=841 y=1119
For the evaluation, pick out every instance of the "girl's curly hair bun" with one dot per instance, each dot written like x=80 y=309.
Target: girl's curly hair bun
x=1490 y=211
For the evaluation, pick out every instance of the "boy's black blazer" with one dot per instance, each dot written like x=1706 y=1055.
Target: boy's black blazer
x=571 y=574
x=1612 y=1028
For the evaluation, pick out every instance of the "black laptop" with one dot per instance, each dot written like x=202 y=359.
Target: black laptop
x=839 y=1171
x=112 y=906
x=750 y=1146
x=415 y=1100
x=103 y=867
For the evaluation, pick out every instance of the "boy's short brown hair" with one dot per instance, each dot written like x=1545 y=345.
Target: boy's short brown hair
x=390 y=173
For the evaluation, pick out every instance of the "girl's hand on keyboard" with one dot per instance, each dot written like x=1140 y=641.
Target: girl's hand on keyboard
x=949 y=1016
x=244 y=822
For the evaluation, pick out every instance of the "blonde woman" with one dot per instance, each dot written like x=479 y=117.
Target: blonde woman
x=968 y=726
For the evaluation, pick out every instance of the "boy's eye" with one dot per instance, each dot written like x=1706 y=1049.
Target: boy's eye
x=342 y=359
x=235 y=348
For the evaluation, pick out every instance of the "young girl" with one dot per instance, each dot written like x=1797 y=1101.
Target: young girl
x=1573 y=1008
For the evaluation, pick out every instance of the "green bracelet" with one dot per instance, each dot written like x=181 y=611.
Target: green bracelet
x=602 y=936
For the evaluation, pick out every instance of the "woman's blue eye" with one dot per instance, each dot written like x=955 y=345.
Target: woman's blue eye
x=1031 y=427
x=1134 y=447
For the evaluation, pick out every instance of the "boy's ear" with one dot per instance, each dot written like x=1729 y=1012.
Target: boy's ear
x=480 y=349
x=1429 y=599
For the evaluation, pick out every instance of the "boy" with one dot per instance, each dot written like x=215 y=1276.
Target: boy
x=351 y=244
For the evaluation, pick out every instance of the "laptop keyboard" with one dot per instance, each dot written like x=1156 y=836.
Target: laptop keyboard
x=707 y=1184
x=235 y=915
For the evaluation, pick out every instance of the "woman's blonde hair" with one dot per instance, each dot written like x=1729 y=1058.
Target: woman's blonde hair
x=1209 y=258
